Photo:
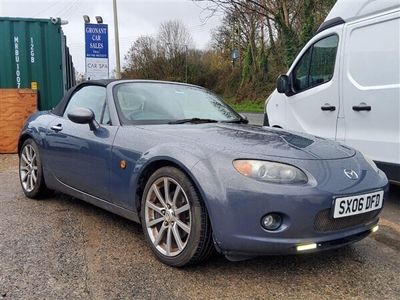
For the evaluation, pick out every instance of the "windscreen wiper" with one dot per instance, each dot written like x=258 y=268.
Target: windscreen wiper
x=193 y=120
x=238 y=121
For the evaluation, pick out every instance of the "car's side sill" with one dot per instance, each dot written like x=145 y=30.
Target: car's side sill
x=123 y=212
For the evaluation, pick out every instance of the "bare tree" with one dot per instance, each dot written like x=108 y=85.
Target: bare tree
x=141 y=56
x=173 y=38
x=289 y=23
x=162 y=57
x=267 y=33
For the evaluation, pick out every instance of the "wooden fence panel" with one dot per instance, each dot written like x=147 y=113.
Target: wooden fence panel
x=15 y=107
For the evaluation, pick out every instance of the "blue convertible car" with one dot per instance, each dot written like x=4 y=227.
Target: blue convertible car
x=190 y=169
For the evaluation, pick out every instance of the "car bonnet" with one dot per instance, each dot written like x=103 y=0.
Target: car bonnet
x=249 y=140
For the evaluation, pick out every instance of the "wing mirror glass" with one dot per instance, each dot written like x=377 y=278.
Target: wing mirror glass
x=82 y=115
x=282 y=84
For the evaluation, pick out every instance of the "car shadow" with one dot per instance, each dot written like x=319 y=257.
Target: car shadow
x=290 y=263
x=116 y=220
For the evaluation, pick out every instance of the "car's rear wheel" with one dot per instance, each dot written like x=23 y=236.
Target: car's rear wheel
x=174 y=219
x=31 y=171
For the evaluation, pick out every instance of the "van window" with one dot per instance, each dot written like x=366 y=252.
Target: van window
x=317 y=64
x=301 y=80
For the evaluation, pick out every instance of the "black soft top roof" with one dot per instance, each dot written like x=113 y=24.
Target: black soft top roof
x=59 y=109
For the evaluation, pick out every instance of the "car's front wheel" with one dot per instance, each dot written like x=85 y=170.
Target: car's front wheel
x=31 y=171
x=174 y=219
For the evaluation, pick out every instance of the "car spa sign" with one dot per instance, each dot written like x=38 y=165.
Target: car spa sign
x=96 y=51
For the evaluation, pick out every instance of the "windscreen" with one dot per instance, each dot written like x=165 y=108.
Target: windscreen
x=147 y=102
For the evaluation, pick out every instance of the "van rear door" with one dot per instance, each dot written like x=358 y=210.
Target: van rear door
x=371 y=87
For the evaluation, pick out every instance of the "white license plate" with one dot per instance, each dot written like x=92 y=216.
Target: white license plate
x=359 y=204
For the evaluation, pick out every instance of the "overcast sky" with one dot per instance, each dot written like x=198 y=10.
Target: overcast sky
x=136 y=17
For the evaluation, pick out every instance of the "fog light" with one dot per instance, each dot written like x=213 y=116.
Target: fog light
x=375 y=228
x=306 y=247
x=271 y=221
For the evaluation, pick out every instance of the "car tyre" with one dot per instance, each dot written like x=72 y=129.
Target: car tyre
x=31 y=171
x=175 y=223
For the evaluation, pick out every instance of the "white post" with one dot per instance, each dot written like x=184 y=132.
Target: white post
x=116 y=38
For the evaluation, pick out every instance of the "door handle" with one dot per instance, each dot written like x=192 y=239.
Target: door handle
x=328 y=107
x=56 y=128
x=362 y=106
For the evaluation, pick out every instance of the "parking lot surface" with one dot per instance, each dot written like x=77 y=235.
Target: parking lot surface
x=255 y=118
x=61 y=248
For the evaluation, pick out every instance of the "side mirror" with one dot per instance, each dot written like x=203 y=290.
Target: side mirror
x=282 y=84
x=82 y=115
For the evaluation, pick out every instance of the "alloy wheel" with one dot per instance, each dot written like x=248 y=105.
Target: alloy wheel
x=168 y=216
x=28 y=168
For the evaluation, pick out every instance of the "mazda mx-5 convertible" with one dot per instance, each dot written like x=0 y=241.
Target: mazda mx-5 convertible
x=177 y=159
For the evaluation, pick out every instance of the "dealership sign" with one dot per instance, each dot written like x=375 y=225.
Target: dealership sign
x=96 y=51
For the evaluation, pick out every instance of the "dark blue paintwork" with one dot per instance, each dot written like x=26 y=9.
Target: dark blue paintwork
x=85 y=164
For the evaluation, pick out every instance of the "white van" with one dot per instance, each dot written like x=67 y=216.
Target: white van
x=345 y=83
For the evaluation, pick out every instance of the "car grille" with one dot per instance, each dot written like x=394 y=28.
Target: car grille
x=324 y=221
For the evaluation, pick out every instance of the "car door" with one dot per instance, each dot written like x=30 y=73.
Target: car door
x=76 y=155
x=313 y=104
x=371 y=87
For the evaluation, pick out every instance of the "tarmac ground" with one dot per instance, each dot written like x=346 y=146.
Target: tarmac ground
x=64 y=248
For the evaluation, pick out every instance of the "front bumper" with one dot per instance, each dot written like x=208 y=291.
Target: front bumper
x=289 y=249
x=278 y=246
x=236 y=205
x=305 y=222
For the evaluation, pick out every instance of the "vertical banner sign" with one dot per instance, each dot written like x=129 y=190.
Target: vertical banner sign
x=96 y=51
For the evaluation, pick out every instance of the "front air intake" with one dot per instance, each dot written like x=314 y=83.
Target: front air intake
x=325 y=222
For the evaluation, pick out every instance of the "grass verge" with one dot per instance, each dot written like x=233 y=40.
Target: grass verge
x=247 y=106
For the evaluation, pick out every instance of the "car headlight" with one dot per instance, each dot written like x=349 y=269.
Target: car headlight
x=270 y=171
x=371 y=163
